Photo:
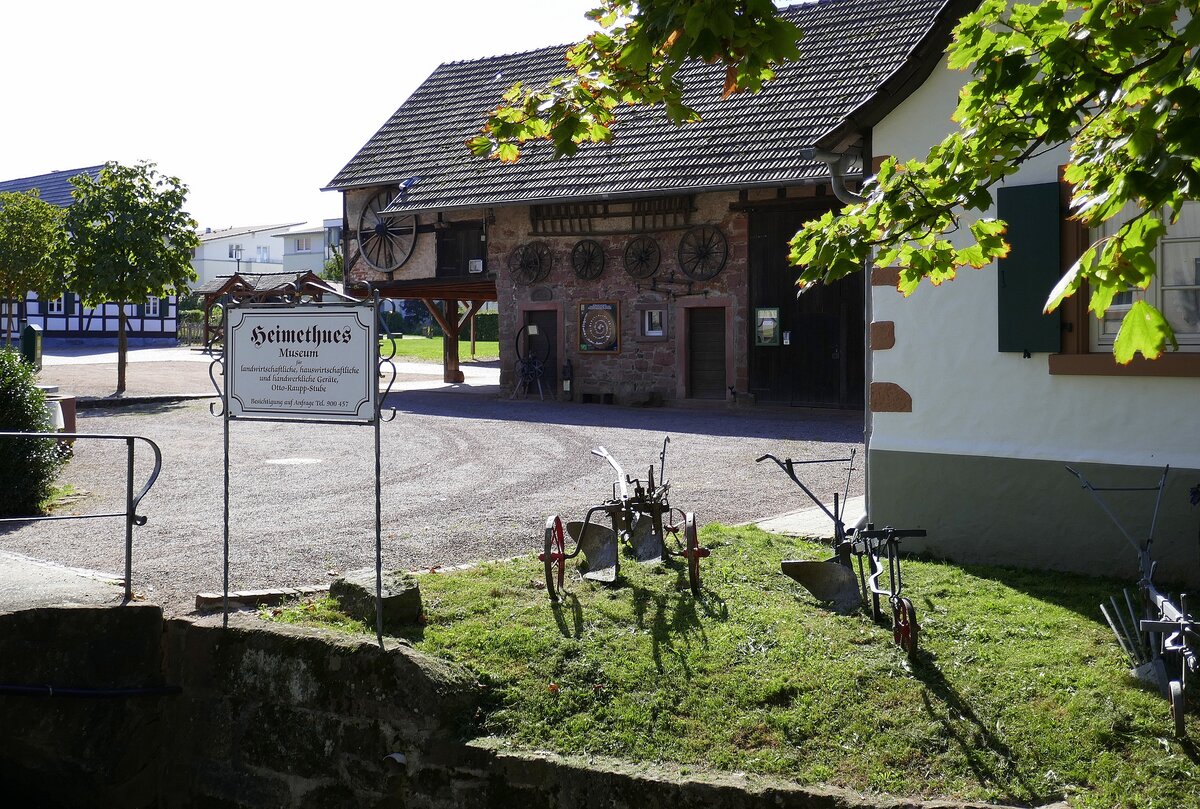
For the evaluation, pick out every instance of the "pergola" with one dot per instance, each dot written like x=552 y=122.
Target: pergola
x=258 y=286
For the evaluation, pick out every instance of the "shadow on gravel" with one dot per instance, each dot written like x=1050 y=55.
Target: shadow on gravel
x=800 y=424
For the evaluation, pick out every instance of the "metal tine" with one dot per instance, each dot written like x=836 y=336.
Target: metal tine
x=1122 y=641
x=1143 y=643
x=1135 y=646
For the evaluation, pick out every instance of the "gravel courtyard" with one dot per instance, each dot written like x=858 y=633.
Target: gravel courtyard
x=465 y=478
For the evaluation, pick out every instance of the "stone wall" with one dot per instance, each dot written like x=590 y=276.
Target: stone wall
x=267 y=716
x=644 y=369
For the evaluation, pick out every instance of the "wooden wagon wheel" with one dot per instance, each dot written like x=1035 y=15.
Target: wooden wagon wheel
x=530 y=263
x=702 y=252
x=385 y=241
x=587 y=259
x=642 y=257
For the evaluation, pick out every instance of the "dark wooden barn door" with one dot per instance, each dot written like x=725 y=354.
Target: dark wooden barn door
x=819 y=359
x=706 y=353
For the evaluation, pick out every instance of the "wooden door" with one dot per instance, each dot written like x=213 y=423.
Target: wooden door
x=819 y=359
x=706 y=352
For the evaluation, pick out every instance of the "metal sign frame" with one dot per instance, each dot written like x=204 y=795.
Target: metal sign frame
x=368 y=411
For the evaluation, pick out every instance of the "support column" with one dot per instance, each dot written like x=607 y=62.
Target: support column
x=450 y=344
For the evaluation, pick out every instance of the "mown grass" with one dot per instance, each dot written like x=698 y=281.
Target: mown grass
x=1019 y=693
x=429 y=349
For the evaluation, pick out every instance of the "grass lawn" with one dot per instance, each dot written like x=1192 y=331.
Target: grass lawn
x=429 y=349
x=1019 y=693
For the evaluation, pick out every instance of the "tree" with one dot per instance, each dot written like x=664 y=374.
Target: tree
x=1115 y=81
x=33 y=254
x=335 y=267
x=131 y=240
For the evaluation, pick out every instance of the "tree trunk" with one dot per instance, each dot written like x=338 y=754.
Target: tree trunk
x=122 y=344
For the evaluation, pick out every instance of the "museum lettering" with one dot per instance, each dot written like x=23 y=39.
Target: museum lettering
x=312 y=337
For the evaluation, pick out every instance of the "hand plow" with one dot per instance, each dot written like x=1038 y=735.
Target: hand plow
x=1157 y=636
x=642 y=519
x=834 y=580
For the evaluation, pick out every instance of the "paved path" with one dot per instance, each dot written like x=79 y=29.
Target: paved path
x=465 y=478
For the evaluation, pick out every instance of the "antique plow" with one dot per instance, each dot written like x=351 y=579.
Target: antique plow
x=1158 y=636
x=642 y=518
x=834 y=580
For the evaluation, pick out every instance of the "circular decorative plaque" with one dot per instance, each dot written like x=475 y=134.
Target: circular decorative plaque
x=598 y=328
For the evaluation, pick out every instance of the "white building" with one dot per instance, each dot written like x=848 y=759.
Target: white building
x=308 y=246
x=230 y=250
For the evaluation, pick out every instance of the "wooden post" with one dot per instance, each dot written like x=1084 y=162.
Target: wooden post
x=472 y=336
x=450 y=344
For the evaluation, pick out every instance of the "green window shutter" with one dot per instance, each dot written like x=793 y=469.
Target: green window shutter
x=1031 y=269
x=68 y=303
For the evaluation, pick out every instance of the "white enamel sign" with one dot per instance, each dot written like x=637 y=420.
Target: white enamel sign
x=312 y=361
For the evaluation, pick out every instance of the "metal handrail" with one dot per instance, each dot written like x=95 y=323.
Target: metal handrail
x=132 y=501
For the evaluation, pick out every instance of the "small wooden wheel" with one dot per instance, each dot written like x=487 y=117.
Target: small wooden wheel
x=702 y=252
x=642 y=257
x=555 y=556
x=1178 y=707
x=693 y=552
x=385 y=241
x=587 y=259
x=530 y=263
x=904 y=626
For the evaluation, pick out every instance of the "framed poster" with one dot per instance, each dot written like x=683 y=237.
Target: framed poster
x=766 y=326
x=600 y=327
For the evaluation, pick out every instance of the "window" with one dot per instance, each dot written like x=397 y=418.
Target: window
x=1175 y=289
x=235 y=251
x=264 y=253
x=151 y=307
x=652 y=321
x=56 y=306
x=304 y=244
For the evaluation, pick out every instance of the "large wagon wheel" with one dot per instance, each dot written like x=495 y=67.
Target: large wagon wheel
x=385 y=241
x=702 y=252
x=587 y=259
x=642 y=257
x=530 y=263
x=555 y=556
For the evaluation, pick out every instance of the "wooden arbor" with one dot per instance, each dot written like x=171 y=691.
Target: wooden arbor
x=453 y=294
x=269 y=286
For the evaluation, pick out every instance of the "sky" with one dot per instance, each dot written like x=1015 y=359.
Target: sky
x=255 y=105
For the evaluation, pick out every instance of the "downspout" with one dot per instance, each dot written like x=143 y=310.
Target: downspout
x=838 y=165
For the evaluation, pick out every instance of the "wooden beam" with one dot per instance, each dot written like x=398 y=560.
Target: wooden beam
x=470 y=313
x=437 y=314
x=450 y=368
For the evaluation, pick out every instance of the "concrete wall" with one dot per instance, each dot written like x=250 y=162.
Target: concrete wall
x=988 y=433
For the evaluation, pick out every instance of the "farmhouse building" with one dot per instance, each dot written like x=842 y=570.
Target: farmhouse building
x=652 y=268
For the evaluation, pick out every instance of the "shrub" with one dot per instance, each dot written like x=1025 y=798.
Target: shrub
x=30 y=465
x=191 y=315
x=487 y=327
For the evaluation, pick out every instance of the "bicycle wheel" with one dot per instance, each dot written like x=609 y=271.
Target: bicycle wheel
x=554 y=558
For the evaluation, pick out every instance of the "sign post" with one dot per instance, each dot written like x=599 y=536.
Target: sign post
x=305 y=362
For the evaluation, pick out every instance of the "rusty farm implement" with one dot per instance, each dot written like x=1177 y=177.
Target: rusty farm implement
x=640 y=515
x=866 y=548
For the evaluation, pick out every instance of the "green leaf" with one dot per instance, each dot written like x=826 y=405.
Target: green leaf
x=1143 y=330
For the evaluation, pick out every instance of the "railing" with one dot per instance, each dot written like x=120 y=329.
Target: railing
x=132 y=500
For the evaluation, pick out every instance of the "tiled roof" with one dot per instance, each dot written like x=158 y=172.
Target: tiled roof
x=260 y=281
x=226 y=233
x=849 y=49
x=54 y=187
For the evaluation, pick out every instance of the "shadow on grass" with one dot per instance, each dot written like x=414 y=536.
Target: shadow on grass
x=675 y=620
x=998 y=769
x=568 y=602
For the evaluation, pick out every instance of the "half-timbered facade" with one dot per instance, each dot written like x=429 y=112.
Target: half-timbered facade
x=65 y=316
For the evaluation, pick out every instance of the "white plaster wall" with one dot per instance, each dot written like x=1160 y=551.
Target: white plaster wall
x=969 y=398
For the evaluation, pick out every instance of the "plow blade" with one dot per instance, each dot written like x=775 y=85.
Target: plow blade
x=646 y=544
x=827 y=581
x=599 y=546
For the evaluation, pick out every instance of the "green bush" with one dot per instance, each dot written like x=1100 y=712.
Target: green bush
x=487 y=327
x=191 y=315
x=30 y=465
